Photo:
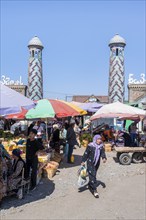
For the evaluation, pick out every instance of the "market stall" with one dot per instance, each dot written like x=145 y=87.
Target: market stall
x=11 y=101
x=122 y=112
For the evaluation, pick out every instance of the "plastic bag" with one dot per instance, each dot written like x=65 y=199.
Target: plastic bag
x=82 y=182
x=82 y=176
x=72 y=158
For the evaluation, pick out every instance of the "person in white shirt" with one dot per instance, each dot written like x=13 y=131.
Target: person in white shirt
x=40 y=130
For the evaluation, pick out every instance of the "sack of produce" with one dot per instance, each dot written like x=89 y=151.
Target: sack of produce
x=51 y=173
x=49 y=170
x=55 y=164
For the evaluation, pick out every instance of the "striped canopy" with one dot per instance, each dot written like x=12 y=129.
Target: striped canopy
x=49 y=108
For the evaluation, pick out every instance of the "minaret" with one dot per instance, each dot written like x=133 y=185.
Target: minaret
x=116 y=72
x=35 y=74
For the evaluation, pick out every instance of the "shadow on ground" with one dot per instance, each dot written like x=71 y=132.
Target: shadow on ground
x=77 y=162
x=44 y=189
x=98 y=183
x=116 y=159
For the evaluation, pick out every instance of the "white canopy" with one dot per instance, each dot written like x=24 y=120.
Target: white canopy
x=120 y=110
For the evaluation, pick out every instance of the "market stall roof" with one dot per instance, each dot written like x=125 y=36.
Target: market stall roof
x=120 y=110
x=88 y=106
x=49 y=108
x=12 y=101
x=20 y=115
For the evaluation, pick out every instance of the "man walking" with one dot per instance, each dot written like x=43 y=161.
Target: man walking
x=32 y=148
x=71 y=139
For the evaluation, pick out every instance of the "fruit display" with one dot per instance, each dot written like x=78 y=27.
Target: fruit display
x=6 y=135
x=43 y=157
x=85 y=139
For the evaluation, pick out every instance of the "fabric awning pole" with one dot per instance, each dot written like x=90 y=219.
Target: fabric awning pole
x=46 y=129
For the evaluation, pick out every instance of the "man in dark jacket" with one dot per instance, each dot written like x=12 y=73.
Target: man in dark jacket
x=32 y=148
x=71 y=139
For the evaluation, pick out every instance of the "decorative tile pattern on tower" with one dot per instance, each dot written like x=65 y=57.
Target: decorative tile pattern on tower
x=116 y=72
x=35 y=76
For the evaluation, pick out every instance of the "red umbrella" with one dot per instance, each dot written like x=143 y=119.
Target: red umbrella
x=20 y=115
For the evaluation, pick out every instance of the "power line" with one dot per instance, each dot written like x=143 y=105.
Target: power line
x=52 y=92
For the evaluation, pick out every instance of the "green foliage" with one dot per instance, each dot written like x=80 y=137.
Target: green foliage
x=86 y=136
x=6 y=135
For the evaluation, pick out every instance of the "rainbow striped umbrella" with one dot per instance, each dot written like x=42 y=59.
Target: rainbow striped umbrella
x=49 y=108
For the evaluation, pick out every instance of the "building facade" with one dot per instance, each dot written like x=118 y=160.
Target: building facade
x=116 y=87
x=90 y=98
x=35 y=73
x=137 y=94
x=19 y=88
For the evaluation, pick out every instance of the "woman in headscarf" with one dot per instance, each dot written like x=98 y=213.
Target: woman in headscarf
x=17 y=169
x=92 y=155
x=5 y=168
x=56 y=138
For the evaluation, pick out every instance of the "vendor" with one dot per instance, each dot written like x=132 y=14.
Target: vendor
x=5 y=154
x=17 y=172
x=32 y=148
x=3 y=175
x=87 y=126
x=133 y=132
x=108 y=135
x=126 y=137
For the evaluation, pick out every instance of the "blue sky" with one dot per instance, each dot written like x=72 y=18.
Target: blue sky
x=75 y=35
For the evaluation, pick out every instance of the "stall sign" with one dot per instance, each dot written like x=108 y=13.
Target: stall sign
x=7 y=81
x=142 y=80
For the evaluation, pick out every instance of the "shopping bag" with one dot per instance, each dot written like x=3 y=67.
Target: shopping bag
x=82 y=171
x=82 y=176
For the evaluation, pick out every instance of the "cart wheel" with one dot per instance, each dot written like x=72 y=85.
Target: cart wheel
x=125 y=159
x=137 y=157
x=118 y=155
x=144 y=157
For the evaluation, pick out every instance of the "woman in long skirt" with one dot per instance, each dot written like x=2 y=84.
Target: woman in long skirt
x=92 y=155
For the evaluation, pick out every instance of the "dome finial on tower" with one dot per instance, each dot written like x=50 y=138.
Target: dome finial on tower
x=117 y=39
x=35 y=41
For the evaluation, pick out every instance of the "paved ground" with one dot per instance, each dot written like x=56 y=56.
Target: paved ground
x=122 y=198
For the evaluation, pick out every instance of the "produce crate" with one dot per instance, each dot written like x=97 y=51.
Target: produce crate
x=108 y=147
